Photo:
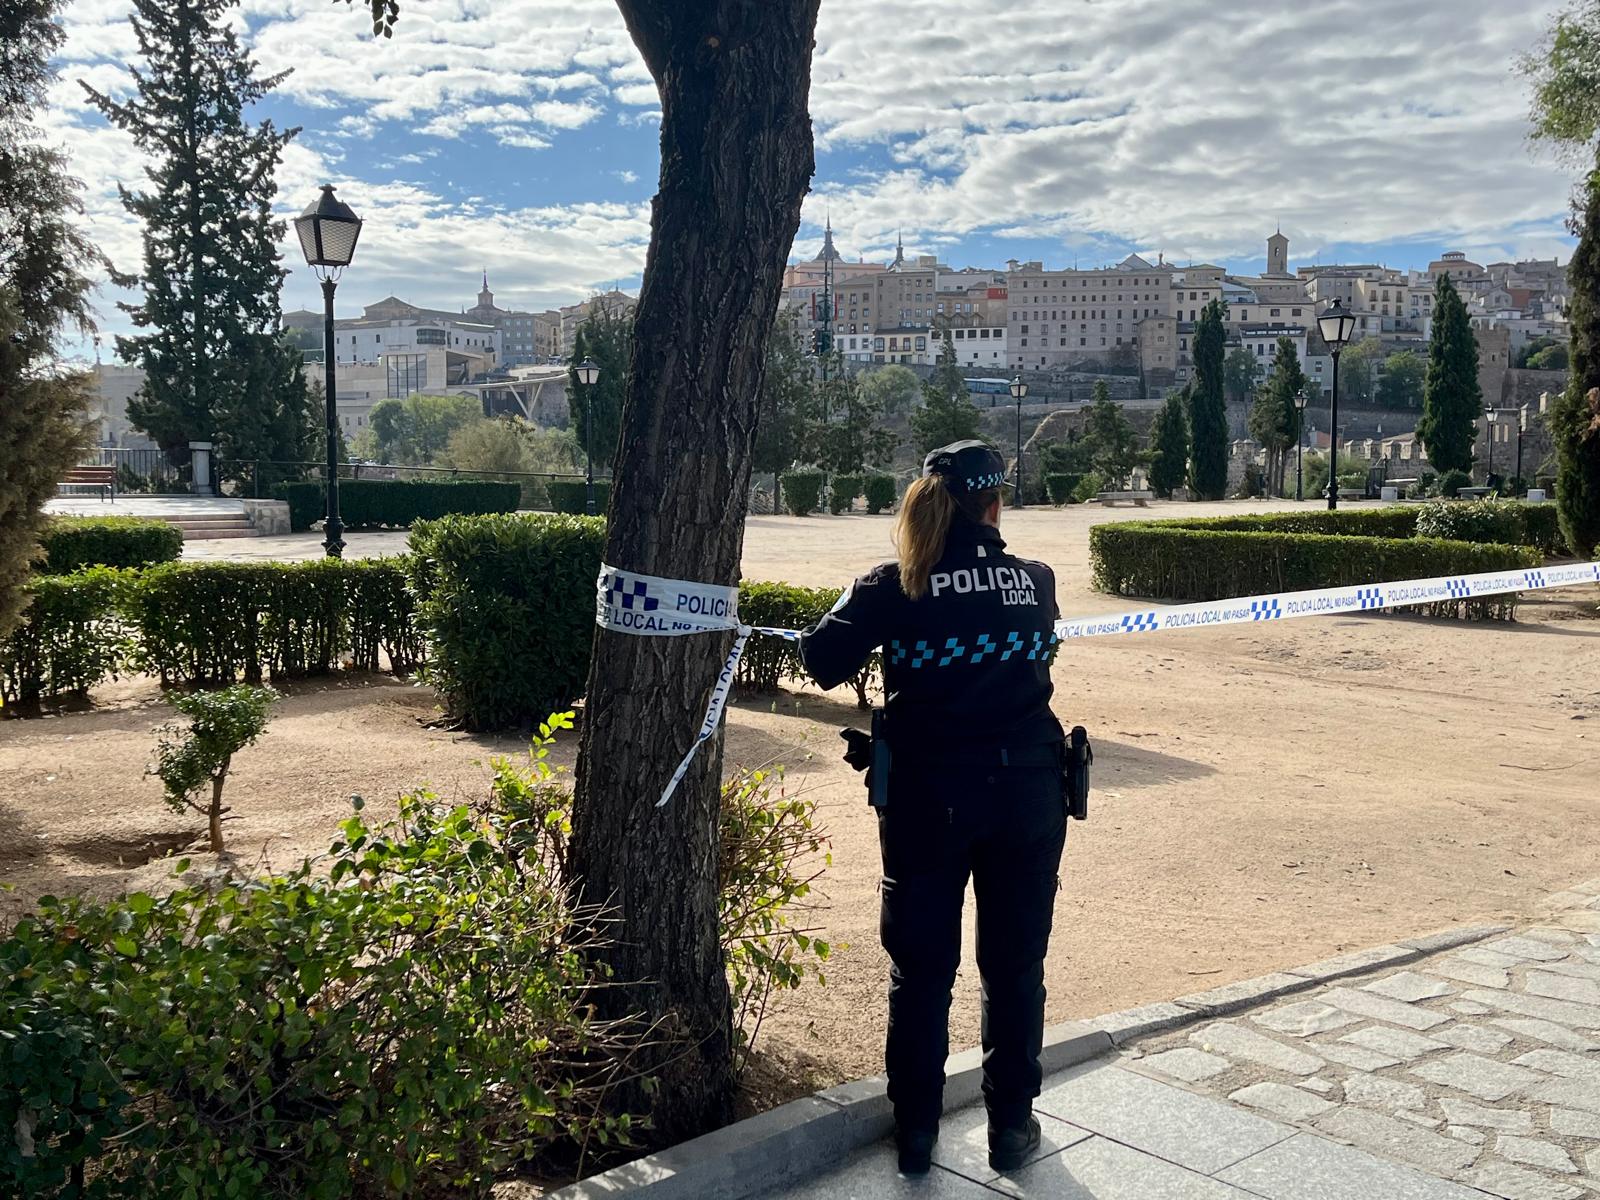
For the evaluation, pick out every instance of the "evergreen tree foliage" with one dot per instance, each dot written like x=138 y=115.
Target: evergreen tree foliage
x=1358 y=367
x=893 y=387
x=1113 y=444
x=947 y=413
x=1575 y=420
x=1452 y=401
x=209 y=320
x=1169 y=444
x=1208 y=414
x=850 y=437
x=45 y=263
x=606 y=337
x=1239 y=374
x=786 y=390
x=1275 y=419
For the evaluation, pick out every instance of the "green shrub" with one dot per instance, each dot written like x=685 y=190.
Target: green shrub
x=194 y=760
x=410 y=1016
x=1453 y=481
x=72 y=543
x=71 y=637
x=880 y=494
x=1509 y=522
x=1174 y=560
x=213 y=623
x=1061 y=487
x=1090 y=486
x=506 y=603
x=842 y=493
x=767 y=661
x=397 y=503
x=572 y=496
x=1395 y=521
x=802 y=492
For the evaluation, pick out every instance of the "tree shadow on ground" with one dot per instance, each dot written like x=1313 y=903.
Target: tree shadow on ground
x=1128 y=765
x=777 y=1074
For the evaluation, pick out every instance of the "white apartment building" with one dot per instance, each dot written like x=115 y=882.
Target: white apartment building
x=368 y=341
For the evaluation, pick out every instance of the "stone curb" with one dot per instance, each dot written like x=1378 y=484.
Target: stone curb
x=807 y=1136
x=818 y=1132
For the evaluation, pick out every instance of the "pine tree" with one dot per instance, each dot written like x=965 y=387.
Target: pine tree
x=1452 y=401
x=1113 y=444
x=211 y=275
x=44 y=283
x=947 y=413
x=852 y=438
x=1575 y=420
x=1169 y=440
x=1275 y=419
x=786 y=386
x=1208 y=413
x=606 y=337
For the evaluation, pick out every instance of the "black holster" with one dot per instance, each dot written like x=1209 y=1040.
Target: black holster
x=870 y=753
x=1077 y=755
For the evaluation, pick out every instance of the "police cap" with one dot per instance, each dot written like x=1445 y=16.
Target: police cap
x=970 y=466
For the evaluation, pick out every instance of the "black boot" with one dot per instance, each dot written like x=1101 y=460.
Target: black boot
x=916 y=1149
x=1010 y=1144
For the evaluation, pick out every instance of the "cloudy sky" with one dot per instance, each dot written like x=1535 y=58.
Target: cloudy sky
x=520 y=135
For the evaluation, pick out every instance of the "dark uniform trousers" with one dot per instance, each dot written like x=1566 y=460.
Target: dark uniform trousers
x=1005 y=827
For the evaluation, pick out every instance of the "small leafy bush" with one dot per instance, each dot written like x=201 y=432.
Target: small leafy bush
x=842 y=493
x=72 y=543
x=1090 y=486
x=397 y=503
x=880 y=494
x=506 y=603
x=1451 y=482
x=409 y=1016
x=1509 y=522
x=802 y=492
x=191 y=759
x=71 y=637
x=572 y=496
x=1061 y=487
x=767 y=661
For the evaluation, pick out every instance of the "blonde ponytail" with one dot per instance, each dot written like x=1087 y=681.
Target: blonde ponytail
x=919 y=532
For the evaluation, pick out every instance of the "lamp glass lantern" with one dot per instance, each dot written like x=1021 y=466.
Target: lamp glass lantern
x=588 y=372
x=1337 y=326
x=328 y=231
x=1018 y=388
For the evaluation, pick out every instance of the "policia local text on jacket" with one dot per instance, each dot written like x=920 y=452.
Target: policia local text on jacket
x=974 y=789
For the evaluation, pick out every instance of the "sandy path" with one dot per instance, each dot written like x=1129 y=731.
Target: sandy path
x=1264 y=795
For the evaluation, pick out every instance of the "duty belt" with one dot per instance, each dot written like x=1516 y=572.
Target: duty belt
x=1041 y=754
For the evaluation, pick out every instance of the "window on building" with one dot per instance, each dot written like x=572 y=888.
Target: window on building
x=407 y=373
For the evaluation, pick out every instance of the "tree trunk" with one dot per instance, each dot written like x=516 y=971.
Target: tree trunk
x=214 y=813
x=736 y=160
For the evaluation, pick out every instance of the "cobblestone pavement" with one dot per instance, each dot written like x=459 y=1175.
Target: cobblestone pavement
x=1480 y=1065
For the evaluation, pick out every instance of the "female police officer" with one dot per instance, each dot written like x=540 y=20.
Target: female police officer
x=974 y=788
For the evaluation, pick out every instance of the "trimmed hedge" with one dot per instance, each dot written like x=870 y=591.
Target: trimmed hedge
x=767 y=661
x=802 y=492
x=1061 y=488
x=397 y=503
x=1177 y=561
x=212 y=624
x=1397 y=521
x=71 y=637
x=880 y=493
x=842 y=492
x=72 y=543
x=572 y=496
x=1509 y=522
x=507 y=606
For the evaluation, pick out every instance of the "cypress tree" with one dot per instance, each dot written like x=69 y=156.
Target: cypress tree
x=1452 y=401
x=1208 y=412
x=44 y=283
x=209 y=320
x=1575 y=421
x=1275 y=420
x=1169 y=443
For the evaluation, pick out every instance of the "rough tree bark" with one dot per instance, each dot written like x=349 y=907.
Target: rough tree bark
x=736 y=161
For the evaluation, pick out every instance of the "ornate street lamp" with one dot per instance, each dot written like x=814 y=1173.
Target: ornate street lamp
x=1337 y=327
x=588 y=371
x=328 y=230
x=1018 y=391
x=1301 y=399
x=1522 y=428
x=1492 y=418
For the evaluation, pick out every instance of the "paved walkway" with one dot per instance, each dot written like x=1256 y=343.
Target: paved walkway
x=1467 y=1075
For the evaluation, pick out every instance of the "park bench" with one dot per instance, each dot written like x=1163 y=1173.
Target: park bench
x=1473 y=493
x=1352 y=493
x=1111 y=499
x=104 y=478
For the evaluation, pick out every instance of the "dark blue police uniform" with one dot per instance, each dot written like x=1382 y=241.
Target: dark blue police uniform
x=975 y=789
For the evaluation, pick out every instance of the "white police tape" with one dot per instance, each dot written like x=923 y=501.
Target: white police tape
x=652 y=606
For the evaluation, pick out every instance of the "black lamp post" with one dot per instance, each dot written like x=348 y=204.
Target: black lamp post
x=1301 y=399
x=1018 y=391
x=328 y=230
x=1491 y=419
x=1522 y=428
x=588 y=371
x=1337 y=327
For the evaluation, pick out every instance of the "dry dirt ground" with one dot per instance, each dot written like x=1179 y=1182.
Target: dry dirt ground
x=1264 y=796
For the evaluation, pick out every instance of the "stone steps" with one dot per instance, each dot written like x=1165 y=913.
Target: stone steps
x=235 y=525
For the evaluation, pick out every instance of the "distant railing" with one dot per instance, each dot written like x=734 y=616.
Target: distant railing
x=264 y=473
x=140 y=470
